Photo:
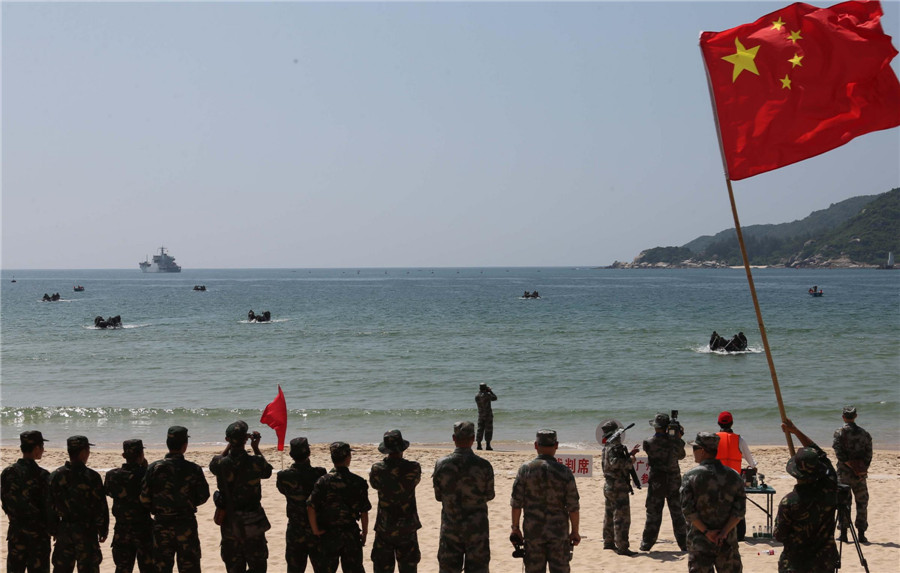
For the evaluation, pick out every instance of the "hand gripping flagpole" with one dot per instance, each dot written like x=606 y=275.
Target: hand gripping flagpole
x=740 y=237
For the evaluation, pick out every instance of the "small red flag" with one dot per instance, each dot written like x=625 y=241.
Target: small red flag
x=799 y=82
x=275 y=416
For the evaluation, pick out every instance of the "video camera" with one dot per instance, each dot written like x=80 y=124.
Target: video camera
x=675 y=429
x=518 y=546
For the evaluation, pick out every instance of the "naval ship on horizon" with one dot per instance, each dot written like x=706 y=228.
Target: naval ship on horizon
x=162 y=263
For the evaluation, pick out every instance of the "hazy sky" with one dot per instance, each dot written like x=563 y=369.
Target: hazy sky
x=380 y=134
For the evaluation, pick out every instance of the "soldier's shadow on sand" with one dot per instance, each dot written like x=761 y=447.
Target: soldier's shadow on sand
x=663 y=556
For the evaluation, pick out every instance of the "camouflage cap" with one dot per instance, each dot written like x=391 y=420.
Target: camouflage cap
x=31 y=438
x=849 y=411
x=178 y=433
x=463 y=430
x=546 y=438
x=236 y=431
x=707 y=441
x=340 y=449
x=393 y=443
x=661 y=420
x=132 y=447
x=805 y=464
x=608 y=427
x=77 y=442
x=299 y=448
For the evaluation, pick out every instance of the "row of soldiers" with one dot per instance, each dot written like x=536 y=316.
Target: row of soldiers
x=155 y=505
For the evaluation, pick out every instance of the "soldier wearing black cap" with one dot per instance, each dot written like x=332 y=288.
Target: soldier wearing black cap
x=24 y=492
x=805 y=520
x=464 y=484
x=296 y=483
x=77 y=496
x=239 y=476
x=395 y=479
x=663 y=453
x=713 y=502
x=853 y=448
x=339 y=499
x=546 y=490
x=133 y=535
x=172 y=490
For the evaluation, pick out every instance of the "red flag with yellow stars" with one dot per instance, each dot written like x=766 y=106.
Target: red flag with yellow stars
x=799 y=82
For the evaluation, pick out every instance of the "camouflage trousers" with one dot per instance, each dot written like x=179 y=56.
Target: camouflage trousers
x=404 y=549
x=76 y=544
x=176 y=539
x=541 y=554
x=301 y=546
x=470 y=548
x=704 y=556
x=663 y=488
x=342 y=545
x=617 y=519
x=244 y=549
x=130 y=544
x=27 y=549
x=860 y=495
x=485 y=428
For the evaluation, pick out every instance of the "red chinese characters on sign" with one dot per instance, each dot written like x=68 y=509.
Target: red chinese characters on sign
x=581 y=465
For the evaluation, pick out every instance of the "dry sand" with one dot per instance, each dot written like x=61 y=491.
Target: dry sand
x=882 y=553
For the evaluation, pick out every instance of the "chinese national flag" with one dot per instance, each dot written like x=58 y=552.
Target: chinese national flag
x=275 y=416
x=799 y=82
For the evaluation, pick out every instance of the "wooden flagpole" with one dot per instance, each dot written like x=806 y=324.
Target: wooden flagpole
x=759 y=319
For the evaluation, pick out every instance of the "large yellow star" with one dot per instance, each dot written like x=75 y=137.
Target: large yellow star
x=795 y=61
x=742 y=60
x=786 y=82
x=796 y=36
x=777 y=24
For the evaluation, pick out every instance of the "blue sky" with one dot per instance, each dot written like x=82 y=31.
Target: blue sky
x=380 y=134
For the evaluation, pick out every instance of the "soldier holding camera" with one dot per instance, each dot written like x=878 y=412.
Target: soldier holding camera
x=853 y=448
x=806 y=516
x=546 y=490
x=663 y=450
x=485 y=415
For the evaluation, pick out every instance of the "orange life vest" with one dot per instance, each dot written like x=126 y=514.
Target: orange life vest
x=729 y=452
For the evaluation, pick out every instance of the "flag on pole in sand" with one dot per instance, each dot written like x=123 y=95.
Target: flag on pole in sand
x=799 y=82
x=275 y=416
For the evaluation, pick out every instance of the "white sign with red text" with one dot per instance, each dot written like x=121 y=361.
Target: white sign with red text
x=581 y=466
x=642 y=469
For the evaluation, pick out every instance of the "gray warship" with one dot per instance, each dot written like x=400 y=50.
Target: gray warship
x=161 y=263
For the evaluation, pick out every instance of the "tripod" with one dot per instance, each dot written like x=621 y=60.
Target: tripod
x=845 y=523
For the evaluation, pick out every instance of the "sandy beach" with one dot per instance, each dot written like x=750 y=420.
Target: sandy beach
x=882 y=554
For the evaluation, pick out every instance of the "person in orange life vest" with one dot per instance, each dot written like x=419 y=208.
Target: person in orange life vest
x=733 y=447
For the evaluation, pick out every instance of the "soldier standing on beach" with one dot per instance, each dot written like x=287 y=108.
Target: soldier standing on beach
x=77 y=496
x=395 y=479
x=464 y=483
x=663 y=452
x=617 y=463
x=853 y=447
x=546 y=490
x=238 y=477
x=339 y=499
x=25 y=493
x=713 y=502
x=172 y=490
x=296 y=483
x=133 y=535
x=485 y=415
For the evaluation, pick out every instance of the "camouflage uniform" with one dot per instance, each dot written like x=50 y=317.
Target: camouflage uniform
x=339 y=498
x=24 y=493
x=854 y=445
x=133 y=535
x=663 y=452
x=296 y=483
x=77 y=496
x=172 y=489
x=395 y=479
x=616 y=464
x=805 y=520
x=712 y=493
x=464 y=483
x=546 y=490
x=238 y=477
x=485 y=415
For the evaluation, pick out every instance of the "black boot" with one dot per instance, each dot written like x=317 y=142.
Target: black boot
x=479 y=446
x=862 y=536
x=487 y=446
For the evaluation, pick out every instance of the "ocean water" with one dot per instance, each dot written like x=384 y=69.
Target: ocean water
x=361 y=351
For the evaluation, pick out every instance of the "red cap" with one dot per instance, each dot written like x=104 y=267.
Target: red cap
x=725 y=418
